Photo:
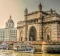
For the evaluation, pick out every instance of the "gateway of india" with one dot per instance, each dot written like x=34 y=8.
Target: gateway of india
x=39 y=26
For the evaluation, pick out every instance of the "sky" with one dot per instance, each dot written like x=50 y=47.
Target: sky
x=16 y=8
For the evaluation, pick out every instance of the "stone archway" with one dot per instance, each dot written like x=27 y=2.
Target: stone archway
x=48 y=34
x=32 y=34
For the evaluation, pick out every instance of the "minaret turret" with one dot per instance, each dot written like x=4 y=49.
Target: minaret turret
x=26 y=11
x=51 y=11
x=40 y=7
x=26 y=26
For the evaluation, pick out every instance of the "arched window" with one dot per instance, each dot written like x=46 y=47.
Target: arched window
x=48 y=34
x=21 y=35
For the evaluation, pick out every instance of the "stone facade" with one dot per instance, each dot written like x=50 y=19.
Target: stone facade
x=39 y=25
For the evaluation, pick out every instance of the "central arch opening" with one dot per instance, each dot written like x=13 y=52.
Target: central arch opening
x=32 y=34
